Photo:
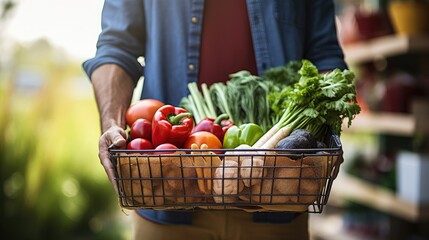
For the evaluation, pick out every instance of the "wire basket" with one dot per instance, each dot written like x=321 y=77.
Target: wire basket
x=297 y=180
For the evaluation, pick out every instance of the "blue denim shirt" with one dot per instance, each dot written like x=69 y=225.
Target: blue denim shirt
x=167 y=33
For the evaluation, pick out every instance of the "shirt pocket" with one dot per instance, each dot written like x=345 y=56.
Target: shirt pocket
x=285 y=11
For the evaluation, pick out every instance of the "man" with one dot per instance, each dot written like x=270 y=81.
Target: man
x=186 y=41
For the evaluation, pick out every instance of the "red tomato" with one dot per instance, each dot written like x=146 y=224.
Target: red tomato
x=141 y=128
x=165 y=146
x=139 y=144
x=144 y=108
x=199 y=138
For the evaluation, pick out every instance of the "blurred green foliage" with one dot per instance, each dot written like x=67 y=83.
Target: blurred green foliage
x=52 y=184
x=5 y=8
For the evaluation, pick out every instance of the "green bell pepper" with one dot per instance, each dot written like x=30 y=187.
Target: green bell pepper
x=247 y=133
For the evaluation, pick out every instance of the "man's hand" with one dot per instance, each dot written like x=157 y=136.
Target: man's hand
x=113 y=137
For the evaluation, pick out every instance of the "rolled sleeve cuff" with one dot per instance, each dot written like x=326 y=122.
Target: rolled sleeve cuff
x=124 y=60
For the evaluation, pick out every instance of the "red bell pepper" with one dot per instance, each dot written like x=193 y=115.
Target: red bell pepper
x=216 y=126
x=226 y=124
x=171 y=125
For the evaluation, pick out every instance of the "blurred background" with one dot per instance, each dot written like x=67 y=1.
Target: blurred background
x=53 y=186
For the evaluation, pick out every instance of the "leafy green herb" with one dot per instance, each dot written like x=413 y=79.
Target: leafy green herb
x=246 y=95
x=284 y=75
x=317 y=102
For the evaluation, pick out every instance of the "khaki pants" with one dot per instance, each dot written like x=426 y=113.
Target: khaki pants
x=221 y=225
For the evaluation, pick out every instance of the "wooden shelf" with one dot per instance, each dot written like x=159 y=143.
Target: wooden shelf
x=347 y=187
x=399 y=124
x=383 y=47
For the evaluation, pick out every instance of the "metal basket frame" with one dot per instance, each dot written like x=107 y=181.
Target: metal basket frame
x=130 y=181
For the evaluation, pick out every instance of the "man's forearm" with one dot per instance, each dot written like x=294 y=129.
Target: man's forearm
x=113 y=90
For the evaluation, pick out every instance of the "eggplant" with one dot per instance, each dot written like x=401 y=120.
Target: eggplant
x=298 y=139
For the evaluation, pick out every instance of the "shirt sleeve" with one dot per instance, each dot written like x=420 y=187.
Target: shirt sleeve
x=322 y=46
x=122 y=37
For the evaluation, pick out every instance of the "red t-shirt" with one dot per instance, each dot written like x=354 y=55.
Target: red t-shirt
x=226 y=44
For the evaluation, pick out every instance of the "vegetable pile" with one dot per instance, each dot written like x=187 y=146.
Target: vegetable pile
x=255 y=110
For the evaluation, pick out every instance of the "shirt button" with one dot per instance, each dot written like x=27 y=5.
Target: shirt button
x=194 y=20
x=191 y=67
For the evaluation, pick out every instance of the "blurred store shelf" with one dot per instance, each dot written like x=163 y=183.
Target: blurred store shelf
x=400 y=124
x=383 y=47
x=348 y=187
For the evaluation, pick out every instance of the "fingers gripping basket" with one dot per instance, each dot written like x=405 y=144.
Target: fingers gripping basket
x=246 y=179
